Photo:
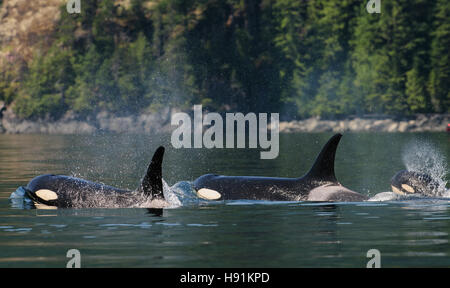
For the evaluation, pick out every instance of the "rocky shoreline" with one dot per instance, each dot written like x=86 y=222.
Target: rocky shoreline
x=371 y=123
x=102 y=122
x=160 y=122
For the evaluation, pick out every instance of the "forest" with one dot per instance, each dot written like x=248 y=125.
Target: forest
x=300 y=58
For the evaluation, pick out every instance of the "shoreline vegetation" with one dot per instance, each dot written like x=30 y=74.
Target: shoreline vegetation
x=303 y=59
x=160 y=122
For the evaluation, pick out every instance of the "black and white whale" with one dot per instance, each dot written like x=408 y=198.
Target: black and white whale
x=411 y=185
x=412 y=182
x=319 y=184
x=64 y=191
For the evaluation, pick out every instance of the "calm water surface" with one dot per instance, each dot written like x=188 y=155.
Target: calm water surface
x=413 y=233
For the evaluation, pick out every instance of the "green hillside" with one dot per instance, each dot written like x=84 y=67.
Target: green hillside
x=297 y=57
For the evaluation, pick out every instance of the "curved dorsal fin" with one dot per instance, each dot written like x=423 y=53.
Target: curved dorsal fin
x=151 y=184
x=323 y=168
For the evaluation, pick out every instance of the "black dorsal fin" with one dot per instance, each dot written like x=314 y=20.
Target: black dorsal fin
x=151 y=184
x=323 y=168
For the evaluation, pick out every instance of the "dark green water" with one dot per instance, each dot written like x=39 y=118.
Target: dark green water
x=234 y=234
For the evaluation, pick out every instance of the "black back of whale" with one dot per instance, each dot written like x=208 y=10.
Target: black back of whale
x=284 y=189
x=70 y=189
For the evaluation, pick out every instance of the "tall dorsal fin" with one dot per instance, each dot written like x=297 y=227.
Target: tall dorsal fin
x=151 y=184
x=323 y=168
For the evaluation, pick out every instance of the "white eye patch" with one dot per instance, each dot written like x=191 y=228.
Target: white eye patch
x=396 y=190
x=46 y=194
x=408 y=188
x=208 y=194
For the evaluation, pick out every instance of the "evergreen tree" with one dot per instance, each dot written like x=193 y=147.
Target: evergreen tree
x=439 y=79
x=44 y=88
x=415 y=90
x=298 y=57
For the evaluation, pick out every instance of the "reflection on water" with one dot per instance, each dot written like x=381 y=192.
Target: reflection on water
x=232 y=234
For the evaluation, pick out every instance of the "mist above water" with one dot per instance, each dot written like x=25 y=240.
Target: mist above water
x=424 y=157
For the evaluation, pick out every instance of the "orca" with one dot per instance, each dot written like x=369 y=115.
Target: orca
x=319 y=184
x=411 y=182
x=62 y=191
